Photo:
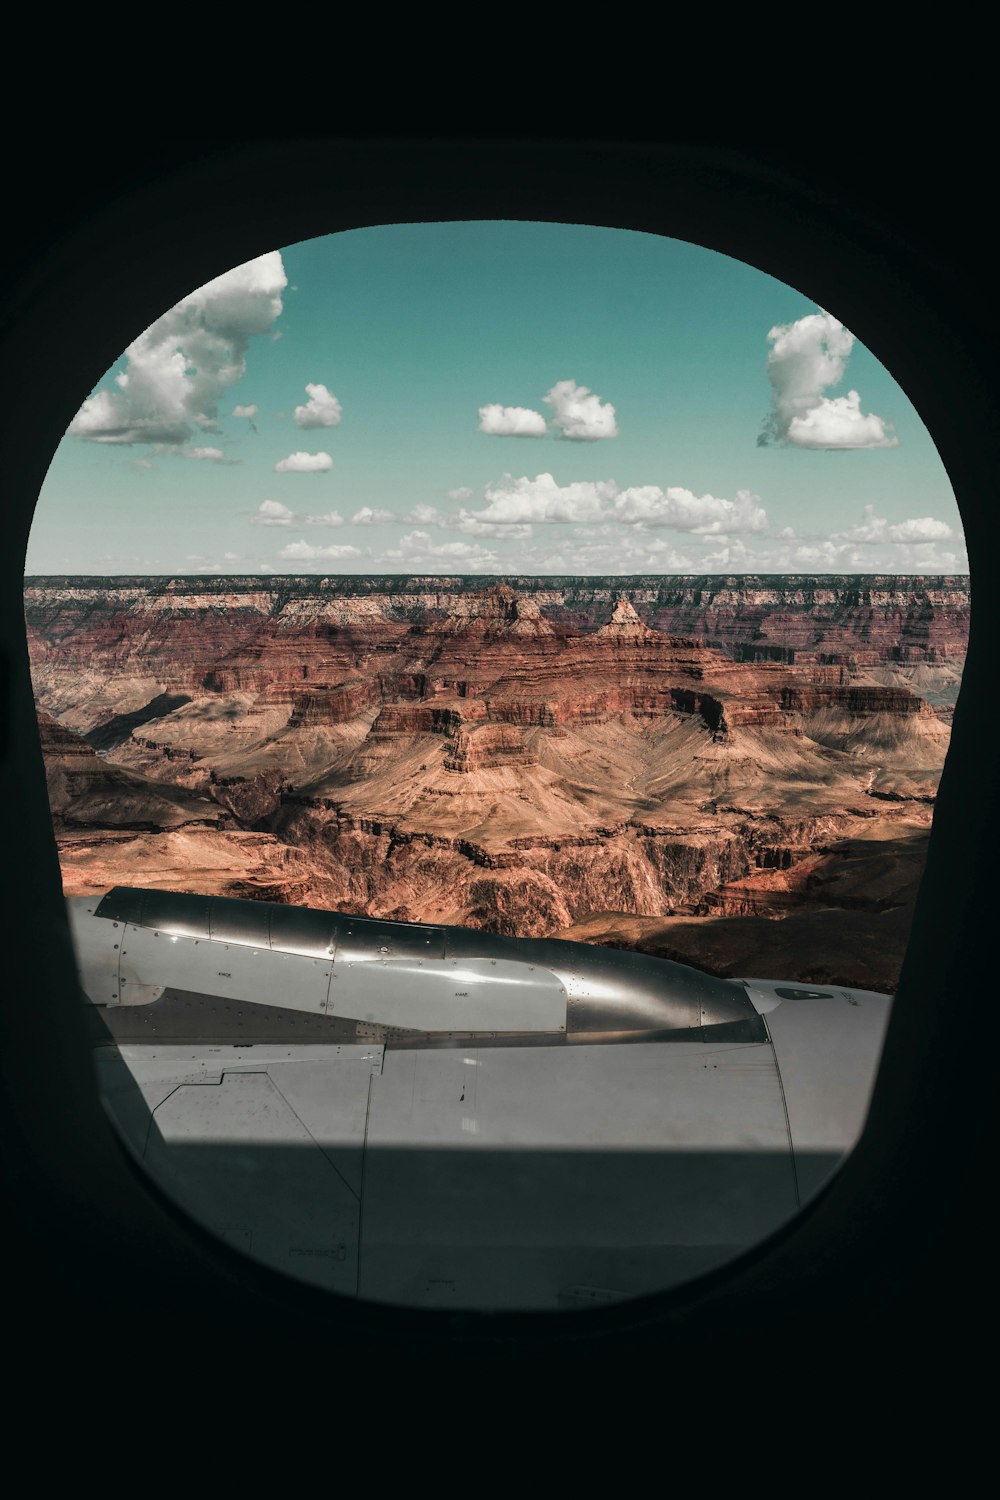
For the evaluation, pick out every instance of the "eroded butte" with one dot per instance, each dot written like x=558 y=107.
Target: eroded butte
x=686 y=765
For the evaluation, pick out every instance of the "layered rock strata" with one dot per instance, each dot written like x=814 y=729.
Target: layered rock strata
x=443 y=750
x=113 y=826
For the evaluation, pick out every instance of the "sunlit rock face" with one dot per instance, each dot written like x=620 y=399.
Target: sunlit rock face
x=657 y=762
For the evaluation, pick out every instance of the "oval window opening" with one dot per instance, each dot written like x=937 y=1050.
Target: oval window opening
x=493 y=679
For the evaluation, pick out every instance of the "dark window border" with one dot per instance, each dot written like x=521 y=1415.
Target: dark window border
x=888 y=1254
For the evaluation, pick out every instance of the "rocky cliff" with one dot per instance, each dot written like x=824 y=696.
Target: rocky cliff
x=519 y=754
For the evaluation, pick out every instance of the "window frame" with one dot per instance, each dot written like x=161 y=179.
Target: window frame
x=84 y=281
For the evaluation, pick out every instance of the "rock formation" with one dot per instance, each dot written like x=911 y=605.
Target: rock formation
x=529 y=755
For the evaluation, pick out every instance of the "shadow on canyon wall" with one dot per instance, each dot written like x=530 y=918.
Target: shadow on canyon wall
x=738 y=773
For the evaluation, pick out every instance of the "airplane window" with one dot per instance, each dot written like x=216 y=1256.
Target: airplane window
x=492 y=716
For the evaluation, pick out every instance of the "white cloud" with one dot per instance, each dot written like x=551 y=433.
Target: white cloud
x=418 y=551
x=579 y=414
x=805 y=357
x=838 y=422
x=680 y=508
x=179 y=368
x=473 y=526
x=425 y=515
x=245 y=411
x=825 y=556
x=542 y=500
x=625 y=551
x=873 y=528
x=927 y=557
x=467 y=522
x=511 y=421
x=331 y=518
x=273 y=513
x=143 y=463
x=920 y=529
x=305 y=551
x=874 y=546
x=321 y=410
x=215 y=455
x=462 y=493
x=614 y=547
x=728 y=555
x=368 y=517
x=661 y=555
x=304 y=463
x=233 y=556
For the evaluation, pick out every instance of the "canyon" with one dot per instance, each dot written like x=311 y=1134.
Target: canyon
x=737 y=772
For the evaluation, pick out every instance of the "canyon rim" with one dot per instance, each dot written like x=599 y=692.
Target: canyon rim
x=545 y=578
x=737 y=772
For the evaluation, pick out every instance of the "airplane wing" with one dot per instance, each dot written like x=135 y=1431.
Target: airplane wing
x=434 y=1116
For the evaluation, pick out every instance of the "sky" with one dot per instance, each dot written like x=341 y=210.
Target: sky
x=496 y=397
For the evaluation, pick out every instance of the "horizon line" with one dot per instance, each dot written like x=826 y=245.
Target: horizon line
x=469 y=577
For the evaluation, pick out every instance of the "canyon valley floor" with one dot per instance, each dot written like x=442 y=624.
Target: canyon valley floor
x=737 y=772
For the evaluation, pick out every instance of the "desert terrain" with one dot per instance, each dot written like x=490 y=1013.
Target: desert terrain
x=736 y=772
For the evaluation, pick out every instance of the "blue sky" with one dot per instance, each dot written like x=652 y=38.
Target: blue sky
x=496 y=397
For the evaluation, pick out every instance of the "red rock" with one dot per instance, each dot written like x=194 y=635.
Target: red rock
x=443 y=750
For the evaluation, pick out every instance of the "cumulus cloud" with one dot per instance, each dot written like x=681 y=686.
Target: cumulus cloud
x=273 y=513
x=511 y=421
x=874 y=546
x=304 y=463
x=579 y=414
x=624 y=551
x=245 y=411
x=636 y=552
x=302 y=551
x=425 y=515
x=661 y=555
x=214 y=455
x=177 y=371
x=467 y=521
x=473 y=526
x=331 y=518
x=873 y=528
x=839 y=422
x=321 y=410
x=462 y=493
x=368 y=517
x=233 y=556
x=928 y=557
x=920 y=529
x=805 y=358
x=417 y=550
x=542 y=500
x=648 y=505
